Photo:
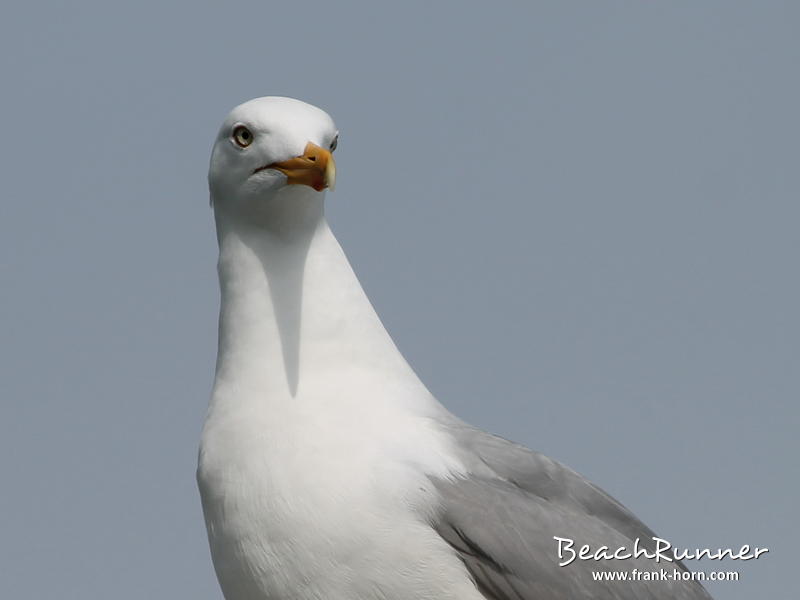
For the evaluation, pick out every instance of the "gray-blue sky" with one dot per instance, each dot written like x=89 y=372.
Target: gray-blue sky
x=578 y=220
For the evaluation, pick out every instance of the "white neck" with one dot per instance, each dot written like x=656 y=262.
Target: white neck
x=293 y=317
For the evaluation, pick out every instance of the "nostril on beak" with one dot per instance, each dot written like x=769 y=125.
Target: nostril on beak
x=312 y=158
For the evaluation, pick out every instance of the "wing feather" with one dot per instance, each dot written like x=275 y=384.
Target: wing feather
x=502 y=519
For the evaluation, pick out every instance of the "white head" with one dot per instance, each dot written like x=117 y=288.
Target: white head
x=271 y=153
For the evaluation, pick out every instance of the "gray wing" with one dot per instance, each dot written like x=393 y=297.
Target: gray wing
x=502 y=519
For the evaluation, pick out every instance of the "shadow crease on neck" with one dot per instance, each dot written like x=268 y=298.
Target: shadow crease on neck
x=284 y=263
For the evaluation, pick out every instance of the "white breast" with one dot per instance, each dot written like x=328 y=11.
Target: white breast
x=308 y=507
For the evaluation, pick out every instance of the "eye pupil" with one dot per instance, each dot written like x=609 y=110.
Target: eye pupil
x=334 y=143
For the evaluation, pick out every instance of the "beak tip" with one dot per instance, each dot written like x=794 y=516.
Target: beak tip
x=330 y=175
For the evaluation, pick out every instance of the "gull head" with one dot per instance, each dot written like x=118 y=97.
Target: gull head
x=269 y=151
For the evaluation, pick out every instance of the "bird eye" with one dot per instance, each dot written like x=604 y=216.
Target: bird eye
x=334 y=143
x=242 y=136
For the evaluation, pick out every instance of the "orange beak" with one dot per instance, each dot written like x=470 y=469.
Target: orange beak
x=315 y=168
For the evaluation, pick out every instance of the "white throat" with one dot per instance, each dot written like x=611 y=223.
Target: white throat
x=292 y=310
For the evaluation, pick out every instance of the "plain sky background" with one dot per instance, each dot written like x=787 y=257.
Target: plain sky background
x=579 y=221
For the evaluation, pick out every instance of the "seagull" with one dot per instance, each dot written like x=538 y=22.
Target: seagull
x=327 y=470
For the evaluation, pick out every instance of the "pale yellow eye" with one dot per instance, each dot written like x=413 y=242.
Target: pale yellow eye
x=242 y=136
